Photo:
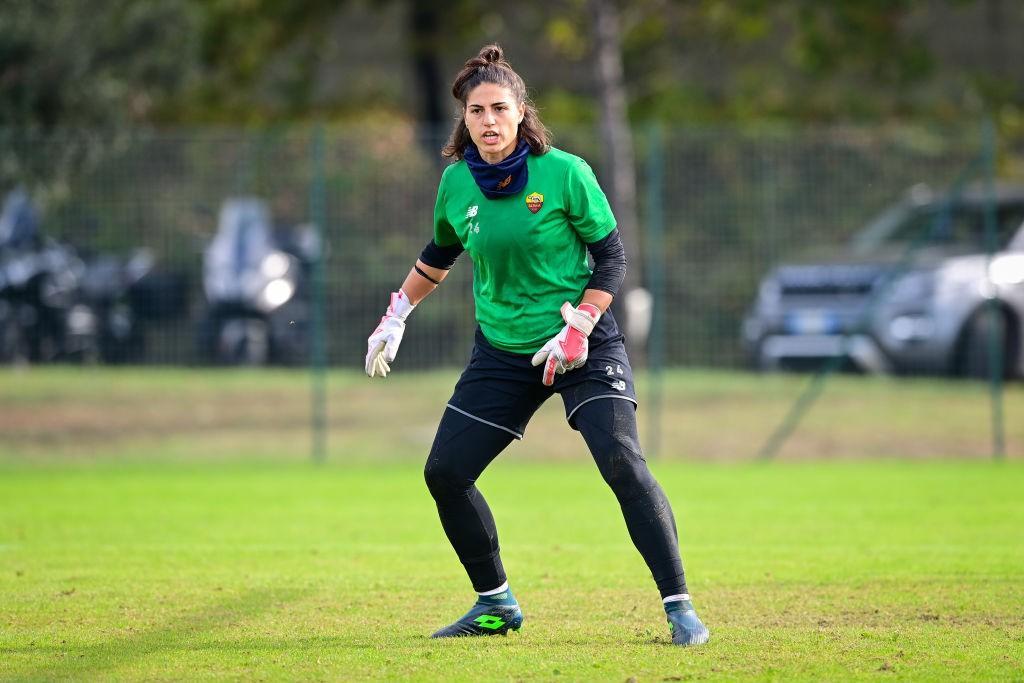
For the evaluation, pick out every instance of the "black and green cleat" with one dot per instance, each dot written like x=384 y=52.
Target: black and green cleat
x=484 y=620
x=684 y=624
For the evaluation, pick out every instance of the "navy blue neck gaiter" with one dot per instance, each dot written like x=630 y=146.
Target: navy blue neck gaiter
x=503 y=179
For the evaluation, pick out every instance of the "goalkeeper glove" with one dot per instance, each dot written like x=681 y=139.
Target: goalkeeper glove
x=568 y=349
x=383 y=343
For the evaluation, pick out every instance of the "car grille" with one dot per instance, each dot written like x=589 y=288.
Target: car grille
x=829 y=280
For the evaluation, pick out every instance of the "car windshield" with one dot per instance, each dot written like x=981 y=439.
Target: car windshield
x=955 y=227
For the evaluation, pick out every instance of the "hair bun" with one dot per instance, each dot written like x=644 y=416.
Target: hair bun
x=491 y=54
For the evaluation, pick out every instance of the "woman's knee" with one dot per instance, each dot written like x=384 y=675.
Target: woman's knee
x=462 y=448
x=609 y=428
x=626 y=472
x=621 y=463
x=442 y=477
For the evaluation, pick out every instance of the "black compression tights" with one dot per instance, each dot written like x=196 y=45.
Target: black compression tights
x=463 y=447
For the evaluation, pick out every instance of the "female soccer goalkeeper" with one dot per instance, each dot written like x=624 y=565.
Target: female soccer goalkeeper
x=528 y=213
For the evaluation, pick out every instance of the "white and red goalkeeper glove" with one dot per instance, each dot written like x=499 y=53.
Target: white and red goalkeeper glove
x=383 y=344
x=568 y=349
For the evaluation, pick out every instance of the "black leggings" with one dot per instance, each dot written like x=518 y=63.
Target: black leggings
x=463 y=447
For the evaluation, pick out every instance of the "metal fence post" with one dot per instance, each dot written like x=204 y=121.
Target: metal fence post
x=655 y=253
x=318 y=341
x=997 y=340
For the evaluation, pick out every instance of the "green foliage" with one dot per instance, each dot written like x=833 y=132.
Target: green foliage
x=244 y=41
x=83 y=73
x=112 y=62
x=96 y=64
x=866 y=36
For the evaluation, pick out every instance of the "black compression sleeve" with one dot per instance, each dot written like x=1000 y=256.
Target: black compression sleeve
x=441 y=257
x=609 y=263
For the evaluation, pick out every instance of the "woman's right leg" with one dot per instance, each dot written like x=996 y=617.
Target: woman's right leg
x=462 y=448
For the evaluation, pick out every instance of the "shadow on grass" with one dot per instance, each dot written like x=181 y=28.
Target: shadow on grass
x=183 y=632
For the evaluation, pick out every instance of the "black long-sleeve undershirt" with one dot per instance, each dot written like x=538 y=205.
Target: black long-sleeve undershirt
x=609 y=263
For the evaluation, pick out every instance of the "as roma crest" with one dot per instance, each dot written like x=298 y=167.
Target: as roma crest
x=534 y=201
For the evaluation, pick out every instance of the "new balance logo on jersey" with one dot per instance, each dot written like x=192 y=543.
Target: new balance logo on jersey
x=472 y=211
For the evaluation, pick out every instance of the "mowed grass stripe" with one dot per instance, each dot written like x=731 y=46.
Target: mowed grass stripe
x=288 y=570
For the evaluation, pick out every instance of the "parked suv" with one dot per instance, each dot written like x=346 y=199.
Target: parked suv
x=909 y=294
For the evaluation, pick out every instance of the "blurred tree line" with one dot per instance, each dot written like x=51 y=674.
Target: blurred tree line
x=102 y=67
x=67 y=63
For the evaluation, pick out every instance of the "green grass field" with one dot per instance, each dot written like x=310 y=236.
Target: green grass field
x=168 y=525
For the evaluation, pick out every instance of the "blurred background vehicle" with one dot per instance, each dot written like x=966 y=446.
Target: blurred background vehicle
x=106 y=321
x=256 y=281
x=909 y=294
x=38 y=281
x=59 y=303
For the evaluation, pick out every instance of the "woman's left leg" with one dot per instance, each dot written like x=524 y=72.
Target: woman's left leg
x=462 y=448
x=609 y=427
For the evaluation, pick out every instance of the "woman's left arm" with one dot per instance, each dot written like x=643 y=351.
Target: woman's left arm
x=599 y=298
x=569 y=348
x=609 y=270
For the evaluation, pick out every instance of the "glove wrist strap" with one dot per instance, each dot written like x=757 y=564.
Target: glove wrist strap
x=584 y=318
x=400 y=306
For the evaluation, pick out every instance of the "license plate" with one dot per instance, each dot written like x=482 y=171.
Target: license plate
x=811 y=321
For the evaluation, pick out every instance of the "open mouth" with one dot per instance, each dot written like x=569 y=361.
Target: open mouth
x=489 y=136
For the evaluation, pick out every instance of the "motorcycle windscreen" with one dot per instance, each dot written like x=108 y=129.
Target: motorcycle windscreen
x=231 y=264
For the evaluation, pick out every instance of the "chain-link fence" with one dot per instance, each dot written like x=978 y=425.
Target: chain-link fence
x=729 y=204
x=766 y=246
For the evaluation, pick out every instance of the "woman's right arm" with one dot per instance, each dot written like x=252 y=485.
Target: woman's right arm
x=421 y=281
x=429 y=270
x=382 y=346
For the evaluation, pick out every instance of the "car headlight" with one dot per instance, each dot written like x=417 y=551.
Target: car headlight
x=277 y=293
x=275 y=265
x=1007 y=269
x=910 y=328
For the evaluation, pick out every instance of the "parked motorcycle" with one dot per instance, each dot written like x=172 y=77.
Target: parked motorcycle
x=104 y=323
x=256 y=284
x=57 y=304
x=38 y=283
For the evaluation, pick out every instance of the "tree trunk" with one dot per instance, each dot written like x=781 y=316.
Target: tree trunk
x=619 y=176
x=425 y=40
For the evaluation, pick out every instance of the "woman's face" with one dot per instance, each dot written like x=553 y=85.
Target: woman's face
x=493 y=116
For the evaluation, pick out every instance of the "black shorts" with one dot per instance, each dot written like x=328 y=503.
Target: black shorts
x=504 y=390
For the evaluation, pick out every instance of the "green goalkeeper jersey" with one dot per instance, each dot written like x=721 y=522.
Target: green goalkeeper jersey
x=529 y=250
